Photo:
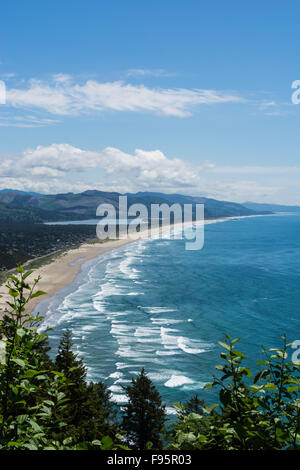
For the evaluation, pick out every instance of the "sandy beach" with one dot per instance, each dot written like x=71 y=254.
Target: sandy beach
x=64 y=269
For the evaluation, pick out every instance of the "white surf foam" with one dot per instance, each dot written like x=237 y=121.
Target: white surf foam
x=169 y=341
x=119 y=398
x=178 y=380
x=115 y=388
x=116 y=375
x=170 y=410
x=147 y=330
x=185 y=345
x=89 y=327
x=157 y=309
x=164 y=321
x=166 y=353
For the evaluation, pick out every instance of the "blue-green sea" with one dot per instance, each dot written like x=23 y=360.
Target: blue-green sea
x=153 y=304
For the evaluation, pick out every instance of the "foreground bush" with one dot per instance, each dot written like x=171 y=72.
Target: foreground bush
x=45 y=405
x=258 y=414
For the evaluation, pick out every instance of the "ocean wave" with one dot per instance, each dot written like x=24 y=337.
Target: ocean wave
x=116 y=375
x=169 y=341
x=196 y=386
x=122 y=381
x=178 y=380
x=158 y=376
x=166 y=353
x=157 y=309
x=122 y=365
x=121 y=329
x=119 y=398
x=171 y=411
x=126 y=351
x=184 y=344
x=165 y=321
x=89 y=327
x=115 y=388
x=127 y=270
x=142 y=331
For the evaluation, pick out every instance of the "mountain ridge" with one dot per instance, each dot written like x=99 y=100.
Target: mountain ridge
x=16 y=206
x=271 y=207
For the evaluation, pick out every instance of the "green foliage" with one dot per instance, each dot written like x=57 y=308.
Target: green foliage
x=89 y=415
x=35 y=394
x=144 y=415
x=100 y=414
x=26 y=421
x=262 y=414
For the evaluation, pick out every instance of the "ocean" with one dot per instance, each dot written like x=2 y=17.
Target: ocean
x=153 y=304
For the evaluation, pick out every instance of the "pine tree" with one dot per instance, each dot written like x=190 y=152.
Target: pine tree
x=100 y=413
x=67 y=362
x=73 y=368
x=194 y=405
x=89 y=414
x=144 y=415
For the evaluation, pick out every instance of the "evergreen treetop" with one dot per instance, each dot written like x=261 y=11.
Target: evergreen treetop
x=144 y=415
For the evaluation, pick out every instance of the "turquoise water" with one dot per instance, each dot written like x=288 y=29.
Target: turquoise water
x=153 y=304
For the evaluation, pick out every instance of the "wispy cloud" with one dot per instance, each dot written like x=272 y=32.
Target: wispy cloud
x=270 y=107
x=7 y=75
x=26 y=121
x=62 y=77
x=61 y=96
x=64 y=95
x=141 y=73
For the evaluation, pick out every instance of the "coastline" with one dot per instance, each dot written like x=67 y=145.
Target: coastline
x=62 y=272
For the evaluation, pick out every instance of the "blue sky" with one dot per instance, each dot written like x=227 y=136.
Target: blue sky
x=178 y=96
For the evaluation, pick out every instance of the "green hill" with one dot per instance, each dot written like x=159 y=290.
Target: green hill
x=34 y=208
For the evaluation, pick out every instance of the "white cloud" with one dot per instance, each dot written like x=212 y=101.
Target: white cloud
x=63 y=97
x=143 y=168
x=141 y=73
x=41 y=186
x=7 y=76
x=61 y=77
x=27 y=121
x=64 y=168
x=40 y=96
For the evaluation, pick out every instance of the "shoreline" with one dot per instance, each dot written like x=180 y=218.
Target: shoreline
x=63 y=271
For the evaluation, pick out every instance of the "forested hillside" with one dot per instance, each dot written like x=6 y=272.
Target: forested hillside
x=20 y=207
x=20 y=242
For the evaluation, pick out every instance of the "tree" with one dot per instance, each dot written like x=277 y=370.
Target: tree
x=99 y=413
x=194 y=405
x=144 y=415
x=74 y=370
x=89 y=414
x=67 y=362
